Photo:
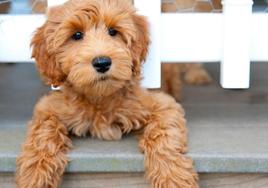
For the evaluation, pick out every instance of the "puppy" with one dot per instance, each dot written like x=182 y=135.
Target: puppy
x=94 y=50
x=173 y=74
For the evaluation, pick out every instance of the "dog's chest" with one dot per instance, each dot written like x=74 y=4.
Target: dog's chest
x=94 y=119
x=79 y=120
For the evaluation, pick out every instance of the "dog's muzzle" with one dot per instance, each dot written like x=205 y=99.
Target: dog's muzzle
x=102 y=64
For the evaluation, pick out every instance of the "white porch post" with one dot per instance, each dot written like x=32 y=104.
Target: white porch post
x=152 y=68
x=235 y=65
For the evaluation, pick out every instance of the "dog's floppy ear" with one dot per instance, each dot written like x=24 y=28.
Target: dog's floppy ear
x=140 y=45
x=45 y=58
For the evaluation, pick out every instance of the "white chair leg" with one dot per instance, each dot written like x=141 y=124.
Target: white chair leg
x=235 y=65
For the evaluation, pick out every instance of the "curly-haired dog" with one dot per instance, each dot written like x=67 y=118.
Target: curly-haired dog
x=94 y=50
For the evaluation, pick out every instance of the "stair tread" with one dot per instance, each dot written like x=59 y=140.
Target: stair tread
x=227 y=128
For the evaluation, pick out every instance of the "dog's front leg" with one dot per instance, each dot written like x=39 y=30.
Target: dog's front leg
x=43 y=158
x=164 y=142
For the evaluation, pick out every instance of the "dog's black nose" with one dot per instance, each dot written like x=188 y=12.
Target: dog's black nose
x=102 y=64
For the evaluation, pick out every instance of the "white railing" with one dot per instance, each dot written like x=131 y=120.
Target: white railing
x=234 y=38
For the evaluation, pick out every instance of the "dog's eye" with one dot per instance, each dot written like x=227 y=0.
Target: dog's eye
x=77 y=35
x=112 y=31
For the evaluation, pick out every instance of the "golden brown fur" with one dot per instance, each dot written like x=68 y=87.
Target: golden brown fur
x=104 y=106
x=175 y=74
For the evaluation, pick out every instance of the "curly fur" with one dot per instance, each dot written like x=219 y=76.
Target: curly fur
x=175 y=74
x=104 y=106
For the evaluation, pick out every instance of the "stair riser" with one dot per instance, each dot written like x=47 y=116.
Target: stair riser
x=136 y=180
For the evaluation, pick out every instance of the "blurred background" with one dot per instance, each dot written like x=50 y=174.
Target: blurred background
x=38 y=6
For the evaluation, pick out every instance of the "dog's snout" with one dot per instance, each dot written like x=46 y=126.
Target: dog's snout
x=102 y=64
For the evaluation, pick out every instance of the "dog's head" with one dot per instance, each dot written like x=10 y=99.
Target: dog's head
x=97 y=46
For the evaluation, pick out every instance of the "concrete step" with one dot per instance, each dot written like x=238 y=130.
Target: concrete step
x=227 y=128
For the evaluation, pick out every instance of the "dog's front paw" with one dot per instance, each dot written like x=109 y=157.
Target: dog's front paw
x=197 y=77
x=37 y=170
x=172 y=173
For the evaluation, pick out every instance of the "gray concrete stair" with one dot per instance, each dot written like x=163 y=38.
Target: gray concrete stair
x=228 y=129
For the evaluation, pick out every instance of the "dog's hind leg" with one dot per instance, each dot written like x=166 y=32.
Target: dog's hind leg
x=163 y=142
x=171 y=79
x=43 y=158
x=196 y=74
